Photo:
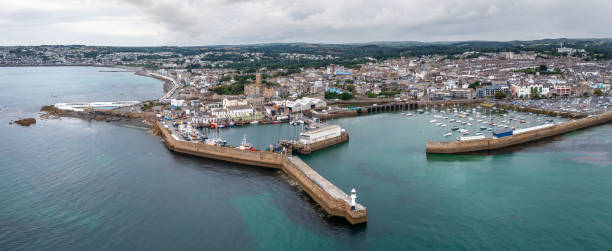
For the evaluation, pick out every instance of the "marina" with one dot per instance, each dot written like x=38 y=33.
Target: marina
x=416 y=200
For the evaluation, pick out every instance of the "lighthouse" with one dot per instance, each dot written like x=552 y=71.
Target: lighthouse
x=353 y=197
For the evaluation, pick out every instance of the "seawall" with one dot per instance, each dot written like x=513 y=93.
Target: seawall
x=309 y=148
x=488 y=144
x=328 y=196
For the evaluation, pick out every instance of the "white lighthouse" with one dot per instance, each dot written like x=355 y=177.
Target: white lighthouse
x=353 y=197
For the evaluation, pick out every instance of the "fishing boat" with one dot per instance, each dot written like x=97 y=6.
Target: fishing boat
x=245 y=145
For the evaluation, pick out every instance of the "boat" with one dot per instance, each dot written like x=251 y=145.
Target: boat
x=432 y=121
x=420 y=111
x=244 y=145
x=455 y=128
x=254 y=122
x=439 y=123
x=448 y=134
x=464 y=131
x=275 y=122
x=443 y=125
x=470 y=124
x=483 y=128
x=409 y=114
x=502 y=132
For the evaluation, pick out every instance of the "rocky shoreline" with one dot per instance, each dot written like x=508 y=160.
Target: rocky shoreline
x=143 y=119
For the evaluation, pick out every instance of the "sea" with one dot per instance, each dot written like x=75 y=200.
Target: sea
x=74 y=184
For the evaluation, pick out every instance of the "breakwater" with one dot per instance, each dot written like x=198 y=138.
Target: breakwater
x=308 y=148
x=499 y=143
x=329 y=197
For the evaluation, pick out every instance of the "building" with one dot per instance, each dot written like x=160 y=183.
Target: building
x=461 y=94
x=320 y=134
x=489 y=91
x=562 y=90
x=305 y=104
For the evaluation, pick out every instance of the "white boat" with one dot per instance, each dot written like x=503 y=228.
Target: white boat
x=448 y=134
x=254 y=122
x=464 y=131
x=244 y=145
x=432 y=121
x=443 y=125
x=439 y=123
x=409 y=114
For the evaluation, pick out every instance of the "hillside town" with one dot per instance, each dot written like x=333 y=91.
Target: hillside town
x=207 y=90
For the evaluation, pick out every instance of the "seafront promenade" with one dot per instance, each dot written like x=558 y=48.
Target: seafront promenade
x=175 y=85
x=329 y=197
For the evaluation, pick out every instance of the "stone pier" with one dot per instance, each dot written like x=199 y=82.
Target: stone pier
x=331 y=198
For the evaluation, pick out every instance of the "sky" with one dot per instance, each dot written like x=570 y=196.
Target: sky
x=215 y=22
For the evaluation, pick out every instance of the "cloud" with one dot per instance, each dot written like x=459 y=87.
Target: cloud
x=202 y=22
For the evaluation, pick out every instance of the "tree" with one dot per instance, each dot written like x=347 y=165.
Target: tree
x=543 y=68
x=346 y=96
x=598 y=92
x=535 y=93
x=501 y=94
x=475 y=85
x=350 y=88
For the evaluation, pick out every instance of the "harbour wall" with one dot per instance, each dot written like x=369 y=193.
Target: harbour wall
x=495 y=144
x=329 y=197
x=309 y=148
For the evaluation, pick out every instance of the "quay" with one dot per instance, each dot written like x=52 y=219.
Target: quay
x=329 y=197
x=488 y=144
x=317 y=139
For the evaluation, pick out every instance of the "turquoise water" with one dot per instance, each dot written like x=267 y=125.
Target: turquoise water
x=57 y=191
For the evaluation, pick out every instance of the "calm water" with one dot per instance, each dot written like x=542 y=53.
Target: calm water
x=58 y=192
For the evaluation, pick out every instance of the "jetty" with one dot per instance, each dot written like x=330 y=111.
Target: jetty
x=333 y=200
x=316 y=139
x=489 y=144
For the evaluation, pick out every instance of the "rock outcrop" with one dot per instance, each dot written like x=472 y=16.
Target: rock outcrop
x=26 y=122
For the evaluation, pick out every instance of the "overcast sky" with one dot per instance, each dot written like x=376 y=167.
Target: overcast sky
x=210 y=22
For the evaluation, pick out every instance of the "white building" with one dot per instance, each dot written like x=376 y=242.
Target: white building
x=323 y=133
x=177 y=102
x=305 y=104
